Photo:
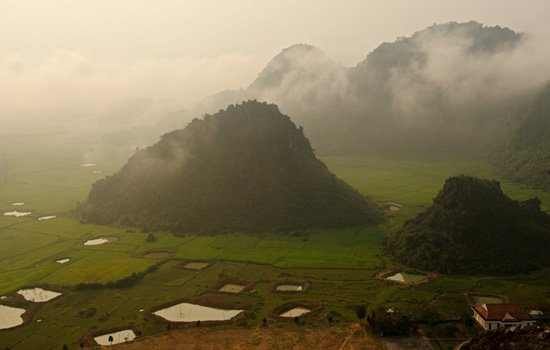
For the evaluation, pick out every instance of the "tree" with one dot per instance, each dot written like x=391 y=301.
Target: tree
x=111 y=340
x=389 y=323
x=361 y=311
x=65 y=347
x=151 y=238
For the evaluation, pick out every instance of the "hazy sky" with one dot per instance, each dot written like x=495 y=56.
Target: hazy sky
x=79 y=54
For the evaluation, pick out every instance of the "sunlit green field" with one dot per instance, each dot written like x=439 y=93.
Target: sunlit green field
x=46 y=172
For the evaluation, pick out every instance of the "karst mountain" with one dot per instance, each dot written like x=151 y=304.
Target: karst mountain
x=244 y=169
x=473 y=227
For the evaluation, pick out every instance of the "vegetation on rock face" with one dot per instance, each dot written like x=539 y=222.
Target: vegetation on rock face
x=523 y=154
x=532 y=338
x=247 y=168
x=473 y=227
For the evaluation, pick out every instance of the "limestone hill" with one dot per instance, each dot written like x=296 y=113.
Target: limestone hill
x=473 y=227
x=247 y=168
x=523 y=153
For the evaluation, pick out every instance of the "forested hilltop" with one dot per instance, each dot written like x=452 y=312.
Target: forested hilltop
x=473 y=227
x=523 y=153
x=247 y=168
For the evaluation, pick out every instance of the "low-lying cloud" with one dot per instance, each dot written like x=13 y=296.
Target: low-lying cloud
x=70 y=84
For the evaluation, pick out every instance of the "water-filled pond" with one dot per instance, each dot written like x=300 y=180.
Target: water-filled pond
x=289 y=288
x=100 y=240
x=196 y=265
x=47 y=217
x=10 y=316
x=63 y=261
x=17 y=213
x=118 y=337
x=295 y=312
x=38 y=295
x=406 y=277
x=480 y=300
x=232 y=288
x=17 y=204
x=88 y=164
x=186 y=312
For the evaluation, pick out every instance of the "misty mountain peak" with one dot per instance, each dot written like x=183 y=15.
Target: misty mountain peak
x=294 y=66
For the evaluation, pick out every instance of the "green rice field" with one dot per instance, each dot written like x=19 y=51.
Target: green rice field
x=51 y=173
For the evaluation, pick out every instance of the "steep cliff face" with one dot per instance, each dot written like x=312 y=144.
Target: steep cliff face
x=247 y=168
x=473 y=227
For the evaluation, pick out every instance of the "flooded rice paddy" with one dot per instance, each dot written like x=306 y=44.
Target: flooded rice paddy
x=118 y=337
x=186 y=312
x=196 y=265
x=63 y=261
x=406 y=277
x=47 y=217
x=10 y=316
x=38 y=295
x=295 y=312
x=101 y=240
x=289 y=288
x=232 y=288
x=17 y=204
x=17 y=213
x=88 y=164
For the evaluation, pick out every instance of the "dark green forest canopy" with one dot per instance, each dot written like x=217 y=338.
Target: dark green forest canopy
x=247 y=168
x=473 y=227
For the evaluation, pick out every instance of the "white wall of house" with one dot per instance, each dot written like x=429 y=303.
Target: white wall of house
x=490 y=325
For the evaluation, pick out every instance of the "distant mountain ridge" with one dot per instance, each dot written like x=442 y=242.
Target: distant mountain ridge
x=247 y=168
x=473 y=227
x=447 y=88
x=523 y=151
x=412 y=93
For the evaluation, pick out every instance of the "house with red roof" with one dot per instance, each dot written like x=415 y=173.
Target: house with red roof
x=493 y=316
